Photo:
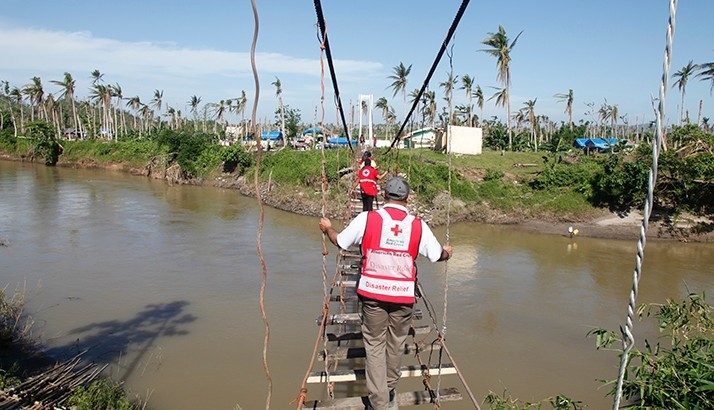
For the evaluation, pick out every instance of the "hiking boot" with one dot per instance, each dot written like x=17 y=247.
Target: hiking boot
x=392 y=400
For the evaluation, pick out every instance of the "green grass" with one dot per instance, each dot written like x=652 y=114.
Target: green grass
x=137 y=152
x=101 y=394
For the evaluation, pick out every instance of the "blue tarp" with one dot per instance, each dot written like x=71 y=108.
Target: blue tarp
x=335 y=140
x=312 y=131
x=596 y=143
x=271 y=135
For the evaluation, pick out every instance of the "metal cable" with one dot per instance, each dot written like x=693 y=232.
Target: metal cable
x=261 y=212
x=323 y=29
x=628 y=339
x=446 y=42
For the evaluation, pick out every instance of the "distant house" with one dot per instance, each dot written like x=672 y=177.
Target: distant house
x=421 y=138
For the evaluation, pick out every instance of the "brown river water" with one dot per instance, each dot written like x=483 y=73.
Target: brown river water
x=162 y=283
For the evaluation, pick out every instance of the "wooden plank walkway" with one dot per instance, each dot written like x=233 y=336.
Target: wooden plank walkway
x=358 y=374
x=403 y=399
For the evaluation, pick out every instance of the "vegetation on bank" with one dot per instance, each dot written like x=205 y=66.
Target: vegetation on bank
x=15 y=342
x=677 y=370
x=558 y=180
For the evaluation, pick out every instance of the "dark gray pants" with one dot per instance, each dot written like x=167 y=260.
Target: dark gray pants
x=385 y=327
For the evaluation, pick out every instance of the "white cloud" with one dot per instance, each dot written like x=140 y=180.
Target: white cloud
x=143 y=66
x=29 y=49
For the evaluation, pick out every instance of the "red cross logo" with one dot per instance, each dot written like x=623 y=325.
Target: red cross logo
x=396 y=230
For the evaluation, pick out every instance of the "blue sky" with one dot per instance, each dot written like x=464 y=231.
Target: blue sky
x=604 y=50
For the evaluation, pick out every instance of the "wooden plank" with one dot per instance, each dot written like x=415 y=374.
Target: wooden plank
x=346 y=352
x=352 y=375
x=338 y=337
x=403 y=399
x=346 y=283
x=344 y=298
x=354 y=318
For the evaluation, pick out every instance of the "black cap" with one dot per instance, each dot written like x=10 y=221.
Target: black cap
x=397 y=188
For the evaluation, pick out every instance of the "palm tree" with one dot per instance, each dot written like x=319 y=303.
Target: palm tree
x=706 y=72
x=156 y=102
x=135 y=104
x=682 y=77
x=36 y=94
x=68 y=88
x=243 y=102
x=467 y=83
x=219 y=111
x=16 y=95
x=279 y=93
x=448 y=86
x=479 y=99
x=119 y=94
x=383 y=106
x=51 y=105
x=529 y=108
x=501 y=47
x=97 y=77
x=399 y=82
x=430 y=98
x=193 y=103
x=102 y=95
x=567 y=98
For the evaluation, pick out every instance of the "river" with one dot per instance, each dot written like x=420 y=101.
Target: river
x=162 y=283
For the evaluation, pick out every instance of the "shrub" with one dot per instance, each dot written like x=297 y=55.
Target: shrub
x=102 y=394
x=46 y=145
x=236 y=157
x=557 y=174
x=678 y=371
x=620 y=184
x=185 y=148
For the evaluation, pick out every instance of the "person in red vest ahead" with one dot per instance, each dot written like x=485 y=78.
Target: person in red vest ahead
x=391 y=240
x=367 y=180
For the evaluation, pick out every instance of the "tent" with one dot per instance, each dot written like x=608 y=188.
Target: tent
x=600 y=144
x=271 y=136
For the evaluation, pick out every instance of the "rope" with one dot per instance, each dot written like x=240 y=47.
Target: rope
x=324 y=187
x=302 y=395
x=628 y=339
x=261 y=212
x=326 y=42
x=447 y=40
x=430 y=310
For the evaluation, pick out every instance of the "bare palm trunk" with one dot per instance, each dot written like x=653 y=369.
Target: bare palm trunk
x=508 y=120
x=699 y=116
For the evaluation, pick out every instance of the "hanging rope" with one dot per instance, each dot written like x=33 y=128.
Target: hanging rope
x=432 y=314
x=447 y=40
x=326 y=42
x=302 y=395
x=261 y=212
x=447 y=239
x=628 y=339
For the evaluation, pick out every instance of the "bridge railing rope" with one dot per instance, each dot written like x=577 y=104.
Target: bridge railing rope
x=628 y=338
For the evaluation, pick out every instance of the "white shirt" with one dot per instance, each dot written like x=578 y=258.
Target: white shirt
x=429 y=246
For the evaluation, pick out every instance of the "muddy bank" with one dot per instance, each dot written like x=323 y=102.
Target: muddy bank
x=601 y=223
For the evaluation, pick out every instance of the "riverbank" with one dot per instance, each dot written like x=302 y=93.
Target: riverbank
x=595 y=222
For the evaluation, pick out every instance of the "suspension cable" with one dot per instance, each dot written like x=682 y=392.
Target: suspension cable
x=446 y=42
x=323 y=29
x=261 y=211
x=628 y=339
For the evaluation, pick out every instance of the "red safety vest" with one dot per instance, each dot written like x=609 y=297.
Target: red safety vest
x=368 y=180
x=390 y=246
